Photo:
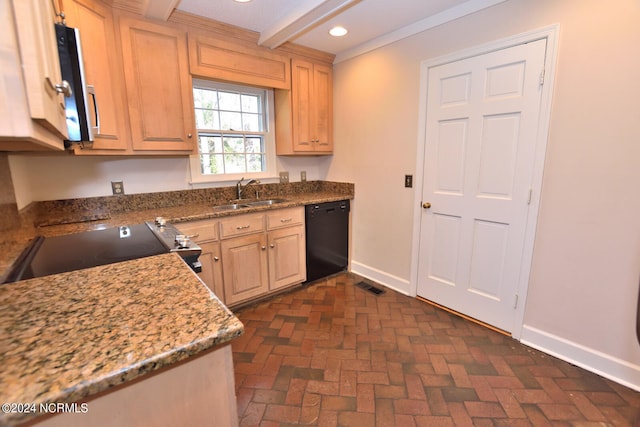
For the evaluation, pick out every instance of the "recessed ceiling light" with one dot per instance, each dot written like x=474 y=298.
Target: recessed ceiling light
x=242 y=1
x=338 y=31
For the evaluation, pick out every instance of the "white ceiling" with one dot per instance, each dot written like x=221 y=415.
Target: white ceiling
x=371 y=23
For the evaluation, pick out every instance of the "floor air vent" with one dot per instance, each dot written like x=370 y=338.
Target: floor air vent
x=368 y=287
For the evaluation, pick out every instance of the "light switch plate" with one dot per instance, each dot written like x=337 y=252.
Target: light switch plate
x=408 y=181
x=284 y=177
x=303 y=176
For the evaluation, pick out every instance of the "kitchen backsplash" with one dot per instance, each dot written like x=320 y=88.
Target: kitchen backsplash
x=55 y=212
x=9 y=217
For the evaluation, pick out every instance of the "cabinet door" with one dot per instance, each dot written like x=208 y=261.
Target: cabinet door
x=215 y=58
x=286 y=257
x=159 y=88
x=244 y=267
x=40 y=64
x=211 y=273
x=323 y=107
x=205 y=234
x=302 y=107
x=312 y=107
x=102 y=70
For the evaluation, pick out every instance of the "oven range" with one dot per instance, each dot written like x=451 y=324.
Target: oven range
x=52 y=255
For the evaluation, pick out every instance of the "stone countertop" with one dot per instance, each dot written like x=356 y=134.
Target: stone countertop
x=75 y=220
x=192 y=212
x=69 y=336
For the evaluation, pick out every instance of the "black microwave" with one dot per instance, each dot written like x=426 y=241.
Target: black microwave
x=77 y=105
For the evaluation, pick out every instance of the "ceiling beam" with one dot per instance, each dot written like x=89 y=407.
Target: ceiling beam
x=306 y=16
x=447 y=15
x=159 y=9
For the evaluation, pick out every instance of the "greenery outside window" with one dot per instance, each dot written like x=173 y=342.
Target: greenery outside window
x=234 y=132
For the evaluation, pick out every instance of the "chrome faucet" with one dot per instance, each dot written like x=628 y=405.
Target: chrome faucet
x=240 y=188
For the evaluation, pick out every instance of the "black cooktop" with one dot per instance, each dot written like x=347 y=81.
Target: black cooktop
x=71 y=252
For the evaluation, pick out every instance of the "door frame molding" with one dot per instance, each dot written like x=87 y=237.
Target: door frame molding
x=550 y=33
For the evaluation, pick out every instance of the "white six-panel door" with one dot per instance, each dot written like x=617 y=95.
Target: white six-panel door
x=481 y=132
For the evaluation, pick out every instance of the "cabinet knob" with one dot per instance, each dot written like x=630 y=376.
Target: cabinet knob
x=189 y=135
x=215 y=258
x=272 y=246
x=264 y=247
x=63 y=87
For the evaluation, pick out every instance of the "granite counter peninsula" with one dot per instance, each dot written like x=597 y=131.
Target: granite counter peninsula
x=141 y=342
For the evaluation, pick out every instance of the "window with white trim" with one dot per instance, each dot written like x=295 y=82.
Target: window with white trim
x=234 y=132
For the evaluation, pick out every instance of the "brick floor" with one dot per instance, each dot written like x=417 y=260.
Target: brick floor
x=333 y=354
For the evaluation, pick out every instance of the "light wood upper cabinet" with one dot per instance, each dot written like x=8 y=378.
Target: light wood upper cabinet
x=322 y=113
x=304 y=115
x=159 y=87
x=103 y=71
x=39 y=52
x=219 y=59
x=32 y=114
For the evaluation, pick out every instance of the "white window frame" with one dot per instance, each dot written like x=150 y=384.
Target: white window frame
x=269 y=137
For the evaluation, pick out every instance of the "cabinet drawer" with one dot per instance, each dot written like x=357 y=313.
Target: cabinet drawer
x=285 y=217
x=202 y=231
x=241 y=224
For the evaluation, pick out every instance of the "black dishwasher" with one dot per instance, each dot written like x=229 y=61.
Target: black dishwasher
x=327 y=230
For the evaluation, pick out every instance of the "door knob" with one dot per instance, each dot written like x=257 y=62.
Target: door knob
x=426 y=205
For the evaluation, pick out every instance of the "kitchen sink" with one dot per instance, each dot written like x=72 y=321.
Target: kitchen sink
x=248 y=204
x=230 y=207
x=266 y=202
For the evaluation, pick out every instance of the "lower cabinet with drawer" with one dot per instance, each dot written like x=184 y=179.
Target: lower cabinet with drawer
x=253 y=254
x=245 y=268
x=205 y=234
x=287 y=254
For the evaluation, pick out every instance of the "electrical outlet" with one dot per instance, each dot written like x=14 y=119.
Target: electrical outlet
x=303 y=176
x=284 y=177
x=117 y=187
x=408 y=181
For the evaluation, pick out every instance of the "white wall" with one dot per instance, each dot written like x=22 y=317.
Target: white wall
x=38 y=177
x=586 y=266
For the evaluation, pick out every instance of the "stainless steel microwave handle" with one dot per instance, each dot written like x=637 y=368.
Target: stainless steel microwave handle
x=91 y=90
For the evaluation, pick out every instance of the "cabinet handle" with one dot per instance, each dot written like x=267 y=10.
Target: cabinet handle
x=215 y=258
x=64 y=87
x=189 y=135
x=272 y=246
x=286 y=219
x=264 y=247
x=91 y=90
x=242 y=227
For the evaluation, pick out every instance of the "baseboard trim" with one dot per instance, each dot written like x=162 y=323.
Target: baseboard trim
x=390 y=281
x=607 y=366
